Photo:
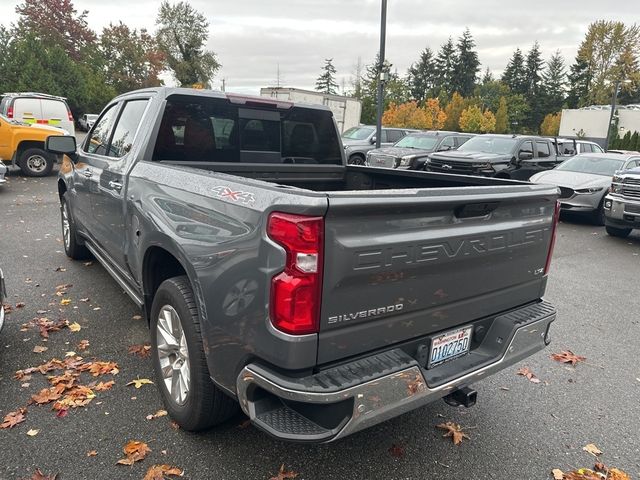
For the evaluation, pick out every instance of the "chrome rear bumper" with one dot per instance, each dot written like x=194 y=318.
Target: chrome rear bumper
x=374 y=400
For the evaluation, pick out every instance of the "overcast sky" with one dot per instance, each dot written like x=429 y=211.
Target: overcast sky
x=251 y=37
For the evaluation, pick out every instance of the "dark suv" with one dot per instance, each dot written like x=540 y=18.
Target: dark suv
x=412 y=151
x=502 y=156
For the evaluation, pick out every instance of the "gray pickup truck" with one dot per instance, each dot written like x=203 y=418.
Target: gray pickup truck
x=322 y=298
x=622 y=204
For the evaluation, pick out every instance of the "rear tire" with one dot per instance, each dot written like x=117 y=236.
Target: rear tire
x=182 y=375
x=618 y=232
x=35 y=162
x=72 y=247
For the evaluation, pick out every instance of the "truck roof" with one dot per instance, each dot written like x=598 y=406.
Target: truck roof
x=251 y=100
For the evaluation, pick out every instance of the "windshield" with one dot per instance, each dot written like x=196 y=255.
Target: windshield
x=486 y=144
x=593 y=165
x=358 y=133
x=423 y=142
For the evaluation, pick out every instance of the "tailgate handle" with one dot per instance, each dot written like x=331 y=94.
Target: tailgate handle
x=475 y=210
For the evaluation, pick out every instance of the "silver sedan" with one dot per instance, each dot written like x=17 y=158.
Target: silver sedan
x=584 y=180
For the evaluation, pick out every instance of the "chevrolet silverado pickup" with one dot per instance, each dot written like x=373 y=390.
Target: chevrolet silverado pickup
x=321 y=297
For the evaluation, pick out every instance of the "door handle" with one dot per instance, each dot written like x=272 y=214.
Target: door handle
x=88 y=173
x=115 y=185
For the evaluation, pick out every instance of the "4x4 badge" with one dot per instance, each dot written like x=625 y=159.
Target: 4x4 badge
x=226 y=193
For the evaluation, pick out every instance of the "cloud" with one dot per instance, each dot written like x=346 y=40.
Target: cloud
x=253 y=37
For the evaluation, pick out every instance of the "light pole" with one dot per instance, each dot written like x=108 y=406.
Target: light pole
x=614 y=99
x=381 y=74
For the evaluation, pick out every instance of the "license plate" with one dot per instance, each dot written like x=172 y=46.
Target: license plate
x=449 y=345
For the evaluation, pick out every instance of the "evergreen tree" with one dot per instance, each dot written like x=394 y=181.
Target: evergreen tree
x=466 y=65
x=445 y=65
x=326 y=82
x=487 y=77
x=421 y=76
x=625 y=143
x=580 y=82
x=554 y=83
x=515 y=75
x=502 y=117
x=395 y=90
x=634 y=144
x=490 y=93
x=534 y=66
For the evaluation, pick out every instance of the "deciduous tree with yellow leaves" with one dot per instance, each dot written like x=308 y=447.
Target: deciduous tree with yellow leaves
x=474 y=120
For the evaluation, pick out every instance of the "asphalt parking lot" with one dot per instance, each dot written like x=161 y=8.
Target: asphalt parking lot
x=518 y=429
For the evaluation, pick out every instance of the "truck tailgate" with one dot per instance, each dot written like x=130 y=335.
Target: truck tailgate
x=400 y=264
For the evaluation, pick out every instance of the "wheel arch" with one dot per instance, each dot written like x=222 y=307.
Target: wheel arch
x=27 y=144
x=161 y=261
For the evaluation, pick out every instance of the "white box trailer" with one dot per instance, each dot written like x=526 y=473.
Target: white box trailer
x=346 y=110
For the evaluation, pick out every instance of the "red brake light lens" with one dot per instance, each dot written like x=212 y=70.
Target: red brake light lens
x=296 y=291
x=70 y=115
x=10 y=112
x=554 y=231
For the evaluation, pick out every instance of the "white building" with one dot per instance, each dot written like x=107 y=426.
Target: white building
x=591 y=122
x=346 y=110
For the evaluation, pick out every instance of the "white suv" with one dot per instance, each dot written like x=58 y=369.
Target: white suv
x=39 y=108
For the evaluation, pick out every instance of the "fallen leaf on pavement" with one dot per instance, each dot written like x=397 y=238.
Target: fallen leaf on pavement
x=139 y=382
x=12 y=419
x=158 y=414
x=75 y=327
x=104 y=386
x=600 y=472
x=83 y=345
x=92 y=453
x=65 y=301
x=101 y=368
x=33 y=432
x=161 y=472
x=396 y=451
x=47 y=395
x=40 y=349
x=78 y=396
x=7 y=308
x=143 y=351
x=84 y=300
x=20 y=305
x=61 y=269
x=567 y=356
x=135 y=451
x=525 y=372
x=557 y=474
x=88 y=264
x=284 y=475
x=137 y=317
x=174 y=425
x=38 y=475
x=454 y=431
x=592 y=449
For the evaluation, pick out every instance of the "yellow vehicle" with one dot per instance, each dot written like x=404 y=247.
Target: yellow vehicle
x=22 y=144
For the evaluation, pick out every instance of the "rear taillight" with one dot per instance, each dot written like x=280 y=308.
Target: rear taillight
x=296 y=291
x=69 y=114
x=554 y=230
x=10 y=112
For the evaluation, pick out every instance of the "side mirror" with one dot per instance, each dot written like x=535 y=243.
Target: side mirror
x=444 y=148
x=525 y=156
x=373 y=140
x=61 y=144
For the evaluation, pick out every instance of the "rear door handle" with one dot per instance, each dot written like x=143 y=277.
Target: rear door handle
x=115 y=185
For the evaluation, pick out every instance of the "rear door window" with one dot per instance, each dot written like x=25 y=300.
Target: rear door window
x=394 y=136
x=543 y=149
x=448 y=142
x=99 y=140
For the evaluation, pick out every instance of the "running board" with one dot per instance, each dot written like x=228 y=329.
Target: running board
x=114 y=273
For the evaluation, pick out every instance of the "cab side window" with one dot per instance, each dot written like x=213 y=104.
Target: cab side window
x=526 y=151
x=449 y=143
x=127 y=127
x=394 y=136
x=99 y=140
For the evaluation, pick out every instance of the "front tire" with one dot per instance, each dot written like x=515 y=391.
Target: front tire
x=35 y=162
x=618 y=232
x=356 y=159
x=72 y=247
x=598 y=215
x=182 y=376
